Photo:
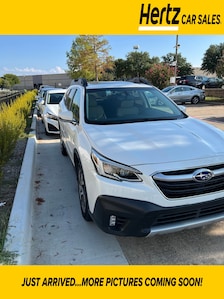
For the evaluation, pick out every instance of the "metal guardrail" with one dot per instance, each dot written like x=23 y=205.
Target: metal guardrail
x=10 y=96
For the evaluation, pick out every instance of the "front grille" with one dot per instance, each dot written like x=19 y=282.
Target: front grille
x=188 y=213
x=177 y=187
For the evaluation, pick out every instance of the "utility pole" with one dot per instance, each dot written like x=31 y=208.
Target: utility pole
x=176 y=52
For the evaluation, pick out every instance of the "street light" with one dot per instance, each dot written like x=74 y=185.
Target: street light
x=136 y=47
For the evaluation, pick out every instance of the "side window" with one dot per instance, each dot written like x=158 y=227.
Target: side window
x=76 y=104
x=68 y=97
x=180 y=89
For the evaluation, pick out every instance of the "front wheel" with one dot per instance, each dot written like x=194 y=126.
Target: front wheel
x=195 y=100
x=83 y=199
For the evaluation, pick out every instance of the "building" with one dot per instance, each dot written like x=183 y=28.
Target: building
x=199 y=72
x=63 y=80
x=35 y=81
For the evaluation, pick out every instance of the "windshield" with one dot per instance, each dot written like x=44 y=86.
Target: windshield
x=120 y=105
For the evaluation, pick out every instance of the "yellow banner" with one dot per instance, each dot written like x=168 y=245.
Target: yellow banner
x=115 y=17
x=111 y=282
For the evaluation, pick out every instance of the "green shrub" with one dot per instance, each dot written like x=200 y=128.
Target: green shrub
x=13 y=123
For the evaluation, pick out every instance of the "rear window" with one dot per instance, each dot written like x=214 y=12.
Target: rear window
x=55 y=98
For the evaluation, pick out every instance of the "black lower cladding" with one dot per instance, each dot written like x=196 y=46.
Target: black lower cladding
x=52 y=128
x=137 y=218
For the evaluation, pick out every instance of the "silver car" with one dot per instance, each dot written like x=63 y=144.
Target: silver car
x=182 y=94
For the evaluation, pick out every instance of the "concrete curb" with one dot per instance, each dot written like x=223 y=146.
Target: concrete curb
x=18 y=237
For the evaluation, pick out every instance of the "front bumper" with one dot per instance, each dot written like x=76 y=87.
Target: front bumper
x=128 y=217
x=52 y=126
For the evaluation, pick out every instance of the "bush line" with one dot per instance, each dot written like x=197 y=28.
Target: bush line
x=13 y=119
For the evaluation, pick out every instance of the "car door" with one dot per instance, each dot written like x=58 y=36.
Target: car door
x=72 y=127
x=177 y=94
x=187 y=93
x=211 y=83
x=65 y=106
x=42 y=103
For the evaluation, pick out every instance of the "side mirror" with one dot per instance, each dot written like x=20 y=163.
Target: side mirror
x=182 y=108
x=66 y=115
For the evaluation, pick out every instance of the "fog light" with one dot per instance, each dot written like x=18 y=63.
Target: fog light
x=112 y=220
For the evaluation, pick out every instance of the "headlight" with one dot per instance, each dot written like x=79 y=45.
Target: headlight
x=51 y=116
x=114 y=170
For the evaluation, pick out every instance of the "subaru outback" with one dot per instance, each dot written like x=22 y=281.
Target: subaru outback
x=143 y=166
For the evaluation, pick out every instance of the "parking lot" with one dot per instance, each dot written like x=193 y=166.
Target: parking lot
x=61 y=236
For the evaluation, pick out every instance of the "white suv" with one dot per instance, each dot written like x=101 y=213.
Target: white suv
x=143 y=166
x=49 y=110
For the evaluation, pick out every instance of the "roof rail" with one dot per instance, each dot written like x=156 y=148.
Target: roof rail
x=81 y=81
x=140 y=80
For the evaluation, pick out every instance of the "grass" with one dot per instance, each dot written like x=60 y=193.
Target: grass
x=8 y=185
x=6 y=258
x=214 y=99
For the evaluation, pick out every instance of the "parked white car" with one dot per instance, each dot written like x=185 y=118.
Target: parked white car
x=50 y=104
x=40 y=98
x=143 y=166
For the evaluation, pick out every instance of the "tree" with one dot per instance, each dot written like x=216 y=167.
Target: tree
x=159 y=74
x=120 y=68
x=9 y=80
x=213 y=59
x=107 y=71
x=137 y=63
x=4 y=83
x=183 y=67
x=89 y=57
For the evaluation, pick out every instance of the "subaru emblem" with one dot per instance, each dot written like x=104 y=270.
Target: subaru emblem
x=202 y=175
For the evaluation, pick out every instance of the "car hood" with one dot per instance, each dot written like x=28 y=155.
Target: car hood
x=52 y=109
x=156 y=141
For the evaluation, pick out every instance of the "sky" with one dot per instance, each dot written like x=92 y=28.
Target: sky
x=46 y=54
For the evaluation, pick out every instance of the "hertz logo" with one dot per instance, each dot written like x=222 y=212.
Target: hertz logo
x=168 y=18
x=153 y=15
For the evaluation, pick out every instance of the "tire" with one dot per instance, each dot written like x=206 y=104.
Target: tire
x=63 y=149
x=195 y=100
x=83 y=198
